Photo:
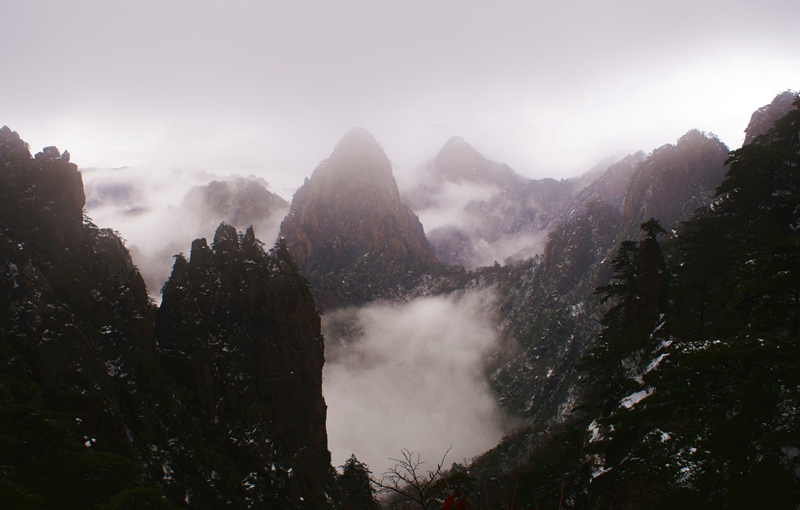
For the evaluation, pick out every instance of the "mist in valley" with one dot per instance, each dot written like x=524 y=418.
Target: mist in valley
x=396 y=376
x=411 y=376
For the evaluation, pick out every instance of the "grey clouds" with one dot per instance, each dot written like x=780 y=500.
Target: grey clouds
x=269 y=87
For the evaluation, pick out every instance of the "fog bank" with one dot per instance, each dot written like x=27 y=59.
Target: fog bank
x=411 y=376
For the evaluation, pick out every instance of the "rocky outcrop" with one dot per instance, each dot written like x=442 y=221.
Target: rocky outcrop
x=348 y=231
x=582 y=241
x=675 y=180
x=222 y=408
x=71 y=298
x=764 y=118
x=611 y=186
x=239 y=331
x=240 y=202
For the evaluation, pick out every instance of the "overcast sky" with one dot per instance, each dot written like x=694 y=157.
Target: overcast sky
x=268 y=87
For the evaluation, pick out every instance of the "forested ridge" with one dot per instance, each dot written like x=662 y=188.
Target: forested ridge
x=692 y=386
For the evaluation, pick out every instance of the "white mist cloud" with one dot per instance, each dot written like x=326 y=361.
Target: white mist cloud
x=477 y=211
x=412 y=377
x=508 y=247
x=449 y=207
x=148 y=209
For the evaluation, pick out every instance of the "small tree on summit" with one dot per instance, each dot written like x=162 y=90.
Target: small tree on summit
x=652 y=228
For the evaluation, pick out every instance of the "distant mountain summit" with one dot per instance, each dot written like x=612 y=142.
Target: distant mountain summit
x=348 y=231
x=502 y=215
x=764 y=118
x=238 y=202
x=459 y=161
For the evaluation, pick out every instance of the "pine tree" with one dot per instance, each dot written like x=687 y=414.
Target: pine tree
x=355 y=485
x=720 y=426
x=733 y=366
x=617 y=364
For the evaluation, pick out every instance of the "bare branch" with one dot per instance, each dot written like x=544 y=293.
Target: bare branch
x=407 y=479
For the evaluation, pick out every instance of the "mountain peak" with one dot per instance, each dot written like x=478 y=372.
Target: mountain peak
x=459 y=161
x=457 y=143
x=358 y=143
x=456 y=148
x=349 y=216
x=764 y=118
x=357 y=158
x=357 y=136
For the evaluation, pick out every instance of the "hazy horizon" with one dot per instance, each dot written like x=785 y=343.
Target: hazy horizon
x=269 y=89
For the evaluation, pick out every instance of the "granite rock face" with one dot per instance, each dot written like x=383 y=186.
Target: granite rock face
x=239 y=331
x=220 y=407
x=764 y=118
x=70 y=296
x=610 y=186
x=676 y=179
x=349 y=232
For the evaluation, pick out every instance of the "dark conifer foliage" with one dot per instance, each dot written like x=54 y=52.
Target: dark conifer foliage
x=691 y=388
x=729 y=389
x=715 y=420
x=355 y=486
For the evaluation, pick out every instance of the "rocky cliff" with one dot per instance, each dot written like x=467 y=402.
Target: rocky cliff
x=71 y=298
x=348 y=230
x=610 y=186
x=675 y=180
x=552 y=315
x=655 y=383
x=222 y=407
x=239 y=332
x=764 y=118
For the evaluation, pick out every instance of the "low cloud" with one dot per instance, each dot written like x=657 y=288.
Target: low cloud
x=508 y=248
x=411 y=376
x=448 y=205
x=471 y=224
x=150 y=211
